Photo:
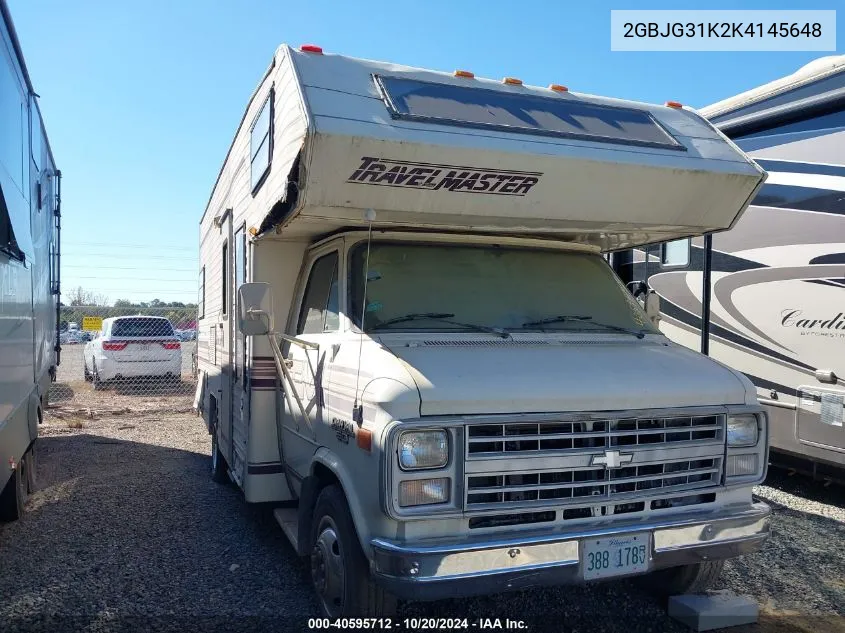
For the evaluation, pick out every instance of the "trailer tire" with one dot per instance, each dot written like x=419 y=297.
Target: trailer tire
x=340 y=573
x=219 y=467
x=14 y=495
x=694 y=578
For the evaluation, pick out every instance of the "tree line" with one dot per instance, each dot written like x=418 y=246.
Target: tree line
x=80 y=297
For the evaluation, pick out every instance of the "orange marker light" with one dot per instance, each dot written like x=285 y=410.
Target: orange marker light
x=512 y=81
x=464 y=73
x=364 y=439
x=253 y=231
x=310 y=48
x=558 y=88
x=674 y=104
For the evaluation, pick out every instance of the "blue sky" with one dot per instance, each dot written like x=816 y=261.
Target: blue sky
x=141 y=99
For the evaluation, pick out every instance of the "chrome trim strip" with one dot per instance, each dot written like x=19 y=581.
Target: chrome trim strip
x=589 y=416
x=598 y=482
x=778 y=404
x=517 y=463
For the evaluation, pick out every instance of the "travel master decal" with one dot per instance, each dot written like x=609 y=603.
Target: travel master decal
x=401 y=173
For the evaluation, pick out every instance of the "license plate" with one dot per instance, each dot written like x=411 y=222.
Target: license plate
x=144 y=347
x=615 y=556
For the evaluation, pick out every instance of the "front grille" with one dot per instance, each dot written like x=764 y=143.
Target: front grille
x=593 y=485
x=487 y=440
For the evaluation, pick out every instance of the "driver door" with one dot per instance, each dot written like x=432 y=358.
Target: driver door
x=317 y=322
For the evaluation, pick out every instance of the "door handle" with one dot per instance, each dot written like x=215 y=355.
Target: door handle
x=288 y=363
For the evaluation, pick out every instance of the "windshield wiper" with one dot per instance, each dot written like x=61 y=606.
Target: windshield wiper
x=441 y=316
x=569 y=318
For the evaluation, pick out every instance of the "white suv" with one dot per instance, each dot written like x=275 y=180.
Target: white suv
x=133 y=347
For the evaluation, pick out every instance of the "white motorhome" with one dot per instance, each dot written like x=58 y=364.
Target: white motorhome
x=776 y=281
x=410 y=341
x=29 y=255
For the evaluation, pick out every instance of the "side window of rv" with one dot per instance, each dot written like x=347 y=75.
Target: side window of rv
x=13 y=124
x=201 y=298
x=7 y=236
x=35 y=136
x=261 y=143
x=319 y=312
x=224 y=274
x=675 y=254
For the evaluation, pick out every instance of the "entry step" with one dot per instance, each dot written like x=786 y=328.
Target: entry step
x=288 y=519
x=713 y=611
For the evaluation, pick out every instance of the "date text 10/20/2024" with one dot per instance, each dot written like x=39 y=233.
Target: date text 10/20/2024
x=417 y=624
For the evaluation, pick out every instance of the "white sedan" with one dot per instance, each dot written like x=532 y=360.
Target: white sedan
x=133 y=347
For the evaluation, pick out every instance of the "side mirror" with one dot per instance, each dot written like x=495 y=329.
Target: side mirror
x=637 y=288
x=652 y=307
x=255 y=309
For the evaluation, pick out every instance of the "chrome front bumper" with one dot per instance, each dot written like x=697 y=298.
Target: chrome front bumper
x=452 y=569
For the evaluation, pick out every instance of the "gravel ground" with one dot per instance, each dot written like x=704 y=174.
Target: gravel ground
x=127 y=531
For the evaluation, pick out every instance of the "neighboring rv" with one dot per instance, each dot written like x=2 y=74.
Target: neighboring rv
x=407 y=329
x=777 y=307
x=29 y=281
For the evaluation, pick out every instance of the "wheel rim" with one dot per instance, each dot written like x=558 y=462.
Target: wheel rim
x=327 y=570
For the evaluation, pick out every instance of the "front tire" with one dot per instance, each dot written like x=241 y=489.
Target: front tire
x=339 y=570
x=85 y=373
x=14 y=495
x=695 y=578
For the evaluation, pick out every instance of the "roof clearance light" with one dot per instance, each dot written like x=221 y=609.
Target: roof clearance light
x=310 y=48
x=464 y=73
x=558 y=88
x=512 y=81
x=674 y=104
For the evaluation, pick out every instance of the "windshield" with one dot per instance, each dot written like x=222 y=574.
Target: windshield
x=499 y=287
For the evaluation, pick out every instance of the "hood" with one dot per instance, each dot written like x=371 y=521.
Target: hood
x=478 y=376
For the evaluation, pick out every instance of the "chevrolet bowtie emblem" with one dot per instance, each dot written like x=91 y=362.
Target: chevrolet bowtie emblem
x=611 y=459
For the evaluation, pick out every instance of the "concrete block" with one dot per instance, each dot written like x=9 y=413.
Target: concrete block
x=713 y=611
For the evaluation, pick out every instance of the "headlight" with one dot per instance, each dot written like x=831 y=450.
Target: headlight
x=422 y=492
x=742 y=430
x=423 y=449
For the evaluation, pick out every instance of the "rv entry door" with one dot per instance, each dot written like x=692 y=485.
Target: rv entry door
x=239 y=388
x=225 y=332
